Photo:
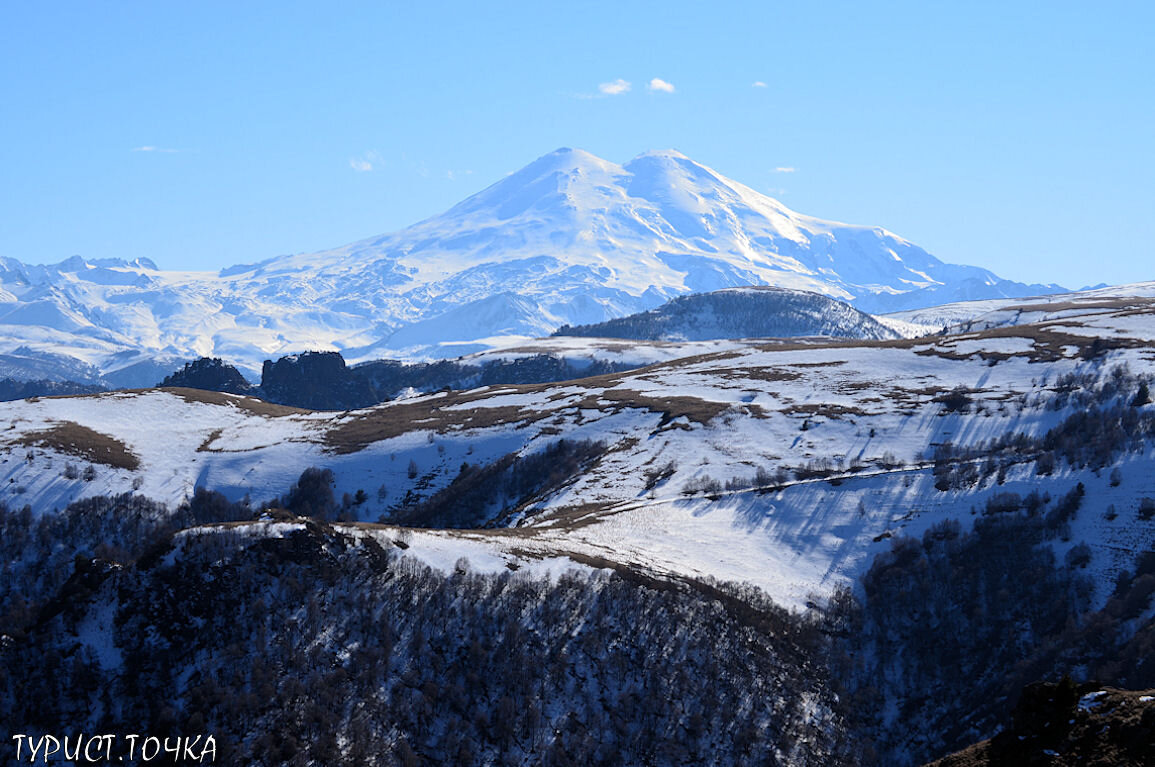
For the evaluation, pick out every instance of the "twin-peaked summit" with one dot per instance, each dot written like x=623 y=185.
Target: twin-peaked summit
x=568 y=239
x=578 y=239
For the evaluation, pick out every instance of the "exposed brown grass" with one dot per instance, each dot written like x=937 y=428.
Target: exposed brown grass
x=469 y=410
x=825 y=410
x=1049 y=343
x=71 y=438
x=206 y=445
x=1090 y=304
x=824 y=364
x=669 y=407
x=366 y=427
x=247 y=404
x=768 y=374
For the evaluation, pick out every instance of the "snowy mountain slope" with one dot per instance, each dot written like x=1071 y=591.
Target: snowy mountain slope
x=569 y=239
x=761 y=312
x=1000 y=312
x=589 y=240
x=785 y=465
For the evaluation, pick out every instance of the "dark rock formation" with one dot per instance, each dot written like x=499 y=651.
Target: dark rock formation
x=316 y=380
x=211 y=374
x=1068 y=724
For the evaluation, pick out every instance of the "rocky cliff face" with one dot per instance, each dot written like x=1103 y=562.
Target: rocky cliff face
x=1055 y=725
x=317 y=381
x=211 y=374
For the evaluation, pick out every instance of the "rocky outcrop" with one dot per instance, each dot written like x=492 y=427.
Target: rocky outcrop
x=211 y=374
x=315 y=380
x=1068 y=724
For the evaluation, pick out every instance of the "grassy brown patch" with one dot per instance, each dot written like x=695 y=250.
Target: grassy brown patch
x=247 y=404
x=771 y=375
x=206 y=445
x=825 y=410
x=824 y=364
x=1049 y=343
x=366 y=427
x=1091 y=304
x=71 y=438
x=670 y=407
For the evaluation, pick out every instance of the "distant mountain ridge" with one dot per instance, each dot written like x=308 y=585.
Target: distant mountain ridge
x=761 y=312
x=569 y=239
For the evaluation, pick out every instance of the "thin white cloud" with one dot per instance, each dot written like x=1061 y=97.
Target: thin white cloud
x=758 y=84
x=658 y=84
x=615 y=88
x=367 y=162
x=154 y=149
x=784 y=169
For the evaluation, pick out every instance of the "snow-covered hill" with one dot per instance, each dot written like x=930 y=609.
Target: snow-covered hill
x=1003 y=312
x=785 y=465
x=569 y=239
x=760 y=312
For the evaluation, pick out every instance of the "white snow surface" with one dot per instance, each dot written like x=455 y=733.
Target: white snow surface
x=1001 y=312
x=868 y=411
x=569 y=239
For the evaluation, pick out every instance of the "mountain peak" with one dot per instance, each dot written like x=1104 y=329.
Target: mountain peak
x=578 y=239
x=567 y=158
x=541 y=185
x=663 y=154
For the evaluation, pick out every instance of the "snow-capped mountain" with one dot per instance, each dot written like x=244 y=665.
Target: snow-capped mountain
x=569 y=239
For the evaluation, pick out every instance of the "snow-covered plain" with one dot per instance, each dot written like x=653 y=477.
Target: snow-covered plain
x=868 y=414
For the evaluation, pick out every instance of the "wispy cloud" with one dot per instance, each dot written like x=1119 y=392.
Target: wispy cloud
x=784 y=169
x=658 y=84
x=758 y=84
x=367 y=162
x=154 y=149
x=453 y=175
x=615 y=88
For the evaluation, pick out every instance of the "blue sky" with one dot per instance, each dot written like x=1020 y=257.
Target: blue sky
x=206 y=134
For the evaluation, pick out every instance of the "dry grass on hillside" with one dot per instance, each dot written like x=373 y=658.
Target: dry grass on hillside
x=71 y=438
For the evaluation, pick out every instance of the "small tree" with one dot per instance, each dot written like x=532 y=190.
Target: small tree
x=1147 y=508
x=412 y=469
x=957 y=400
x=1143 y=396
x=1079 y=556
x=313 y=494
